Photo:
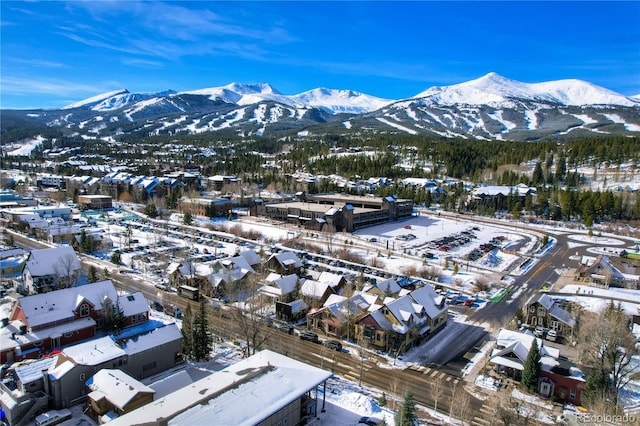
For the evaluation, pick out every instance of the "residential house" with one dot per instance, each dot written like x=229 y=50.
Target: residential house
x=230 y=274
x=402 y=323
x=22 y=390
x=558 y=378
x=142 y=351
x=315 y=293
x=601 y=273
x=386 y=288
x=41 y=323
x=285 y=263
x=49 y=269
x=291 y=311
x=335 y=281
x=280 y=288
x=547 y=312
x=114 y=393
x=339 y=315
x=264 y=389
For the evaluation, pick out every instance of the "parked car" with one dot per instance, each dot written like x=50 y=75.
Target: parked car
x=174 y=311
x=155 y=305
x=552 y=335
x=333 y=344
x=283 y=326
x=469 y=301
x=310 y=336
x=369 y=421
x=539 y=331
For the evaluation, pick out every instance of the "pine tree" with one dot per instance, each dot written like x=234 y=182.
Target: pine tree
x=93 y=274
x=598 y=384
x=187 y=332
x=532 y=368
x=407 y=415
x=187 y=219
x=202 y=343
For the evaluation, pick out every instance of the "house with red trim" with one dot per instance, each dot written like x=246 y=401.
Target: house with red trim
x=41 y=323
x=558 y=378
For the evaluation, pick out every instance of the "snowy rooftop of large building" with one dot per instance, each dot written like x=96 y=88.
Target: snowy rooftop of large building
x=244 y=393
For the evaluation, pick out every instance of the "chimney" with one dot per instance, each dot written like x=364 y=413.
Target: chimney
x=4 y=322
x=23 y=329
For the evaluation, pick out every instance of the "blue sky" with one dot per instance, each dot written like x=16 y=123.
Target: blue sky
x=54 y=53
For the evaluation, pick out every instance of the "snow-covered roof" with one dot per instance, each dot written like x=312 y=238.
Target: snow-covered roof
x=32 y=371
x=133 y=303
x=53 y=261
x=430 y=300
x=244 y=393
x=330 y=278
x=150 y=339
x=313 y=288
x=287 y=258
x=239 y=263
x=555 y=310
x=286 y=284
x=252 y=257
x=408 y=313
x=298 y=305
x=519 y=344
x=116 y=386
x=46 y=308
x=94 y=352
x=389 y=286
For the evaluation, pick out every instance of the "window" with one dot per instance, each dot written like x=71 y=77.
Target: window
x=572 y=393
x=149 y=366
x=82 y=376
x=84 y=310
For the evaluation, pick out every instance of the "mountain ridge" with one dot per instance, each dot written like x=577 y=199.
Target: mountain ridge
x=489 y=107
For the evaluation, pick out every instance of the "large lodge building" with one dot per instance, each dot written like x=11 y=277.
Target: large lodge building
x=336 y=212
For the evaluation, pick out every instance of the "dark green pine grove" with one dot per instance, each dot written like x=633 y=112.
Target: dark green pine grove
x=264 y=162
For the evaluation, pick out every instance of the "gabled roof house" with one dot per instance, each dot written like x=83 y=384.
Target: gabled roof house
x=41 y=323
x=51 y=268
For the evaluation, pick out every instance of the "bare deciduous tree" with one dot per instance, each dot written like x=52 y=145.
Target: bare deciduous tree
x=608 y=345
x=68 y=271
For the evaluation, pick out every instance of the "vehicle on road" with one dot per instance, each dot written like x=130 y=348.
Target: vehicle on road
x=310 y=336
x=53 y=417
x=189 y=292
x=174 y=311
x=333 y=344
x=157 y=306
x=369 y=421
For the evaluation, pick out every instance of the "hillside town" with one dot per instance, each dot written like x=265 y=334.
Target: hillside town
x=105 y=288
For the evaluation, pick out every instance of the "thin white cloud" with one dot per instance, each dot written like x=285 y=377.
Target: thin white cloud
x=24 y=86
x=171 y=31
x=37 y=62
x=143 y=63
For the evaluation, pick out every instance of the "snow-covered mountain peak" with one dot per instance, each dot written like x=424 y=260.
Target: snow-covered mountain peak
x=495 y=90
x=340 y=101
x=246 y=89
x=579 y=92
x=93 y=100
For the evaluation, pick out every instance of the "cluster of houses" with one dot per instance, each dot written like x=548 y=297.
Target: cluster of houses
x=63 y=348
x=381 y=315
x=53 y=344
